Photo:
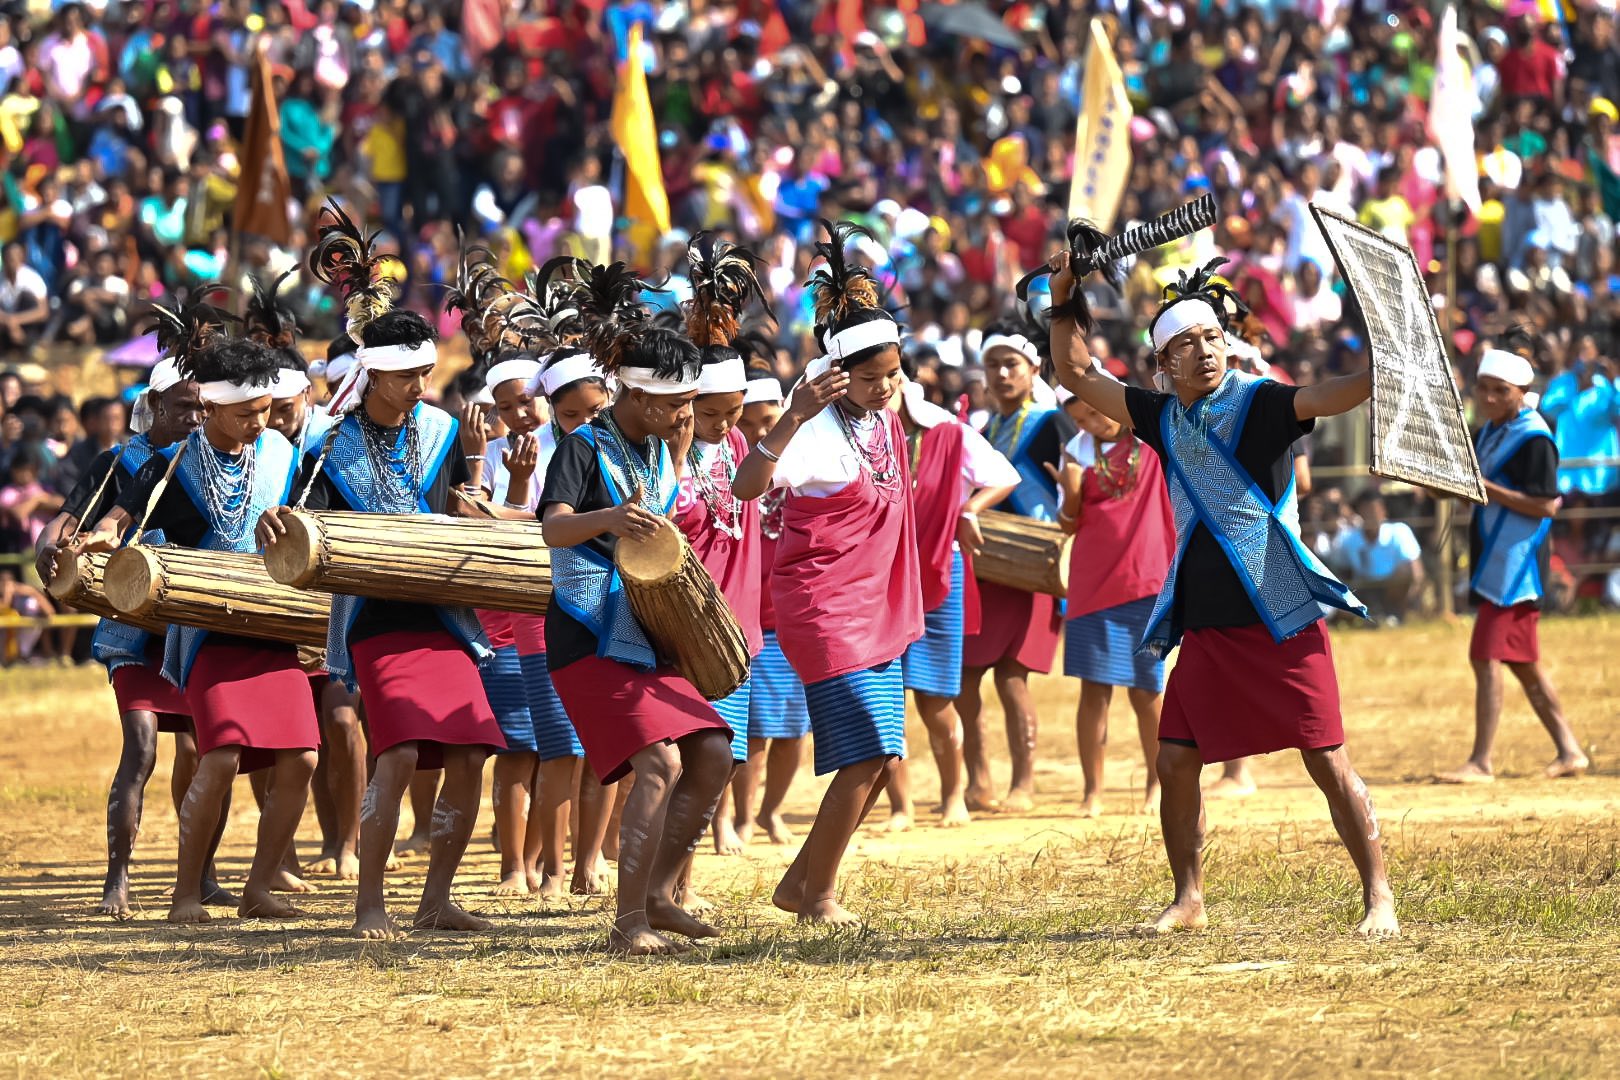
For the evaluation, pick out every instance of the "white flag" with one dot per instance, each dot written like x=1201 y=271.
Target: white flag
x=1451 y=114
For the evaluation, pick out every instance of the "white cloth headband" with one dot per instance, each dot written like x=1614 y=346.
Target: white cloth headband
x=567 y=371
x=724 y=377
x=290 y=382
x=507 y=370
x=165 y=375
x=760 y=390
x=863 y=336
x=337 y=370
x=1180 y=317
x=1018 y=343
x=1064 y=395
x=223 y=392
x=644 y=379
x=347 y=397
x=1511 y=368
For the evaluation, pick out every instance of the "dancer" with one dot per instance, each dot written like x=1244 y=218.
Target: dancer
x=609 y=480
x=846 y=583
x=1508 y=542
x=248 y=697
x=955 y=474
x=1244 y=597
x=1116 y=505
x=1018 y=630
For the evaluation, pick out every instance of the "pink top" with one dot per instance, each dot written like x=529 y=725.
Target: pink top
x=34 y=524
x=1123 y=545
x=724 y=532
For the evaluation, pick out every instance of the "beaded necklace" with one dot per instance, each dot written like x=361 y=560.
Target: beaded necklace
x=874 y=451
x=1117 y=485
x=770 y=513
x=398 y=476
x=725 y=509
x=227 y=483
x=643 y=472
x=999 y=422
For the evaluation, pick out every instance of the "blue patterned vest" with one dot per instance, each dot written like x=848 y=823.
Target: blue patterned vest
x=275 y=465
x=1036 y=495
x=349 y=470
x=115 y=644
x=1509 y=570
x=1288 y=585
x=587 y=586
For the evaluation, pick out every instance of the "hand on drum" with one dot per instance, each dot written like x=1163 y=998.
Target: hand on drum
x=969 y=535
x=809 y=398
x=94 y=541
x=630 y=520
x=45 y=562
x=270 y=527
x=474 y=441
x=521 y=459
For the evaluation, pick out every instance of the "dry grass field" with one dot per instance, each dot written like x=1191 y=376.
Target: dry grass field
x=1001 y=949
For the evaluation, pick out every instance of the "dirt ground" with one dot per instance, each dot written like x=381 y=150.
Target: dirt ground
x=1004 y=948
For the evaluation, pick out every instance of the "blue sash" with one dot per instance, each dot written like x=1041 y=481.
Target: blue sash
x=1509 y=570
x=114 y=644
x=1036 y=495
x=587 y=586
x=1287 y=584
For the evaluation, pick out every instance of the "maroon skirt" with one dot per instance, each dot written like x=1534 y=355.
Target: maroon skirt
x=422 y=687
x=618 y=710
x=142 y=688
x=1508 y=634
x=1236 y=692
x=1014 y=625
x=253 y=698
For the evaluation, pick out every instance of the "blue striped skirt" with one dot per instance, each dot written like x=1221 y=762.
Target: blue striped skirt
x=553 y=732
x=858 y=716
x=1101 y=647
x=776 y=707
x=509 y=698
x=933 y=663
x=733 y=709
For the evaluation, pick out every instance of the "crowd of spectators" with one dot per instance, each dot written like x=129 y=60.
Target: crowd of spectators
x=121 y=122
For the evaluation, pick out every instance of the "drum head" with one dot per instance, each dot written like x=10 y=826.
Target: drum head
x=652 y=560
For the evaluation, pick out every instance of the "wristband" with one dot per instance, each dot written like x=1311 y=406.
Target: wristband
x=765 y=452
x=968 y=515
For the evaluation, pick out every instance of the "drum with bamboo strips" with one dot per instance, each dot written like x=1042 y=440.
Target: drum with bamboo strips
x=77 y=581
x=218 y=591
x=496 y=565
x=683 y=611
x=1022 y=553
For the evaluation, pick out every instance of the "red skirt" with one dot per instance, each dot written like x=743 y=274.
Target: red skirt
x=422 y=687
x=1508 y=634
x=530 y=632
x=254 y=698
x=618 y=710
x=1014 y=625
x=1236 y=692
x=142 y=688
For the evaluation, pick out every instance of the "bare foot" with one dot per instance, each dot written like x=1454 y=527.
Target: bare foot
x=189 y=911
x=1150 y=801
x=261 y=904
x=745 y=830
x=392 y=866
x=448 y=916
x=414 y=844
x=981 y=802
x=777 y=829
x=610 y=846
x=550 y=887
x=373 y=924
x=284 y=880
x=514 y=884
x=1380 y=919
x=590 y=881
x=899 y=821
x=1468 y=774
x=213 y=895
x=115 y=896
x=643 y=941
x=1228 y=787
x=828 y=912
x=1181 y=915
x=669 y=917
x=789 y=895
x=348 y=865
x=726 y=840
x=325 y=866
x=954 y=814
x=1567 y=767
x=1019 y=801
x=1091 y=806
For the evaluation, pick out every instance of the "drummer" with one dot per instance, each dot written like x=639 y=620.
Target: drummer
x=248 y=697
x=1018 y=630
x=955 y=474
x=1255 y=673
x=846 y=583
x=610 y=479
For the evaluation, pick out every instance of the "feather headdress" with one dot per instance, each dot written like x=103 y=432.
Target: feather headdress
x=556 y=289
x=841 y=288
x=265 y=319
x=495 y=316
x=185 y=329
x=608 y=299
x=724 y=279
x=1202 y=284
x=345 y=257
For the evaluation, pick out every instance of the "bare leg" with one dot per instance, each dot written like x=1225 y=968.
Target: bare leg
x=970 y=707
x=379 y=824
x=657 y=768
x=1353 y=816
x=1091 y=733
x=513 y=793
x=1539 y=689
x=1487 y=716
x=808 y=886
x=706 y=767
x=287 y=877
x=285 y=796
x=325 y=815
x=898 y=783
x=595 y=813
x=344 y=744
x=185 y=767
x=424 y=793
x=621 y=797
x=726 y=840
x=744 y=784
x=1235 y=782
x=1146 y=705
x=945 y=740
x=1181 y=812
x=453 y=818
x=199 y=815
x=781 y=764
x=125 y=800
x=545 y=849
x=1012 y=686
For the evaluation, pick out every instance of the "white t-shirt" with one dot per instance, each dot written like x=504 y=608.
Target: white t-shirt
x=497 y=478
x=982 y=464
x=27 y=282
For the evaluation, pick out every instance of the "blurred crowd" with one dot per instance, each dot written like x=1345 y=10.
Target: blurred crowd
x=121 y=122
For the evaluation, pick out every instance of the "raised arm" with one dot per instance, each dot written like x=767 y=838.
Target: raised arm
x=1330 y=397
x=754 y=475
x=1075 y=368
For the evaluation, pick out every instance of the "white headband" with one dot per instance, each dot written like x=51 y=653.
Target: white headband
x=1511 y=368
x=1180 y=316
x=165 y=375
x=336 y=370
x=644 y=379
x=352 y=390
x=567 y=371
x=290 y=382
x=1018 y=343
x=223 y=392
x=517 y=368
x=724 y=377
x=759 y=390
x=1064 y=395
x=863 y=336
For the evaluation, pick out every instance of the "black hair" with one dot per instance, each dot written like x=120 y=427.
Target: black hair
x=91 y=406
x=234 y=360
x=291 y=359
x=1201 y=285
x=1367 y=497
x=398 y=327
x=667 y=353
x=342 y=345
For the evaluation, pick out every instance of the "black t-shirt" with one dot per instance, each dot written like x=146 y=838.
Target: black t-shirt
x=1208 y=590
x=78 y=505
x=387 y=616
x=1533 y=471
x=1046 y=445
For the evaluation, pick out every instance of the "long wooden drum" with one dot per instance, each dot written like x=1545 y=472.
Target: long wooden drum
x=1022 y=553
x=78 y=582
x=683 y=611
x=419 y=558
x=219 y=591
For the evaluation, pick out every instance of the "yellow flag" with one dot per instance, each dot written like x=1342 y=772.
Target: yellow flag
x=635 y=132
x=1102 y=137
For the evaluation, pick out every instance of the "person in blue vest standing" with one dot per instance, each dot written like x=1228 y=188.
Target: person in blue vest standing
x=1508 y=551
x=1244 y=597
